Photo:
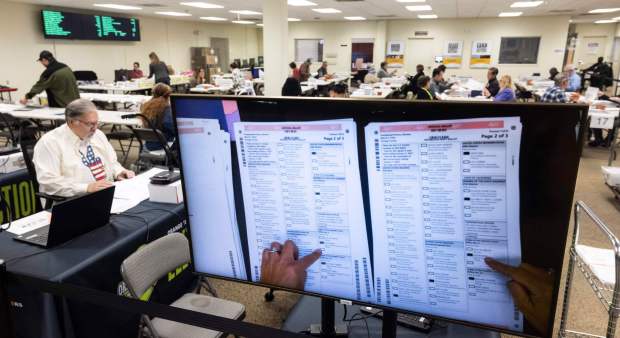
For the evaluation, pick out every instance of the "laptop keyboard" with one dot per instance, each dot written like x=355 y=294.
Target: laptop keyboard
x=38 y=236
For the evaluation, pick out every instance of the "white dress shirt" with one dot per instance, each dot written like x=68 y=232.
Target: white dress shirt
x=59 y=166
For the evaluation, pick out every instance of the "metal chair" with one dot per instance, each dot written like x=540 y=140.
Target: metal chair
x=153 y=261
x=28 y=152
x=148 y=158
x=600 y=267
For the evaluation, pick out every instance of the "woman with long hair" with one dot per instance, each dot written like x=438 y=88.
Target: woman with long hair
x=506 y=93
x=159 y=69
x=159 y=114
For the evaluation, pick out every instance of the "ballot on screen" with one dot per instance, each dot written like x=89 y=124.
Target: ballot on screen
x=444 y=210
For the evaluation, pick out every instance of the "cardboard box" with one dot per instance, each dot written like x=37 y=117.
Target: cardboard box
x=171 y=193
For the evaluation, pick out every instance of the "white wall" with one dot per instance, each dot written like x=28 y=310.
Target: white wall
x=602 y=33
x=552 y=30
x=22 y=40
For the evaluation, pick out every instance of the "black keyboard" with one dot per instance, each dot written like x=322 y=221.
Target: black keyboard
x=37 y=236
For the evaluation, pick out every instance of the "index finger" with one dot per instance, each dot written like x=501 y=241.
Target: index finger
x=289 y=250
x=306 y=261
x=516 y=274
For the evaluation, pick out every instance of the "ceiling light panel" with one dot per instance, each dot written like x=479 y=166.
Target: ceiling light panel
x=327 y=10
x=526 y=4
x=115 y=6
x=204 y=5
x=419 y=8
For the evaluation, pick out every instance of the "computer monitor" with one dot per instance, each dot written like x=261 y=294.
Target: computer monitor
x=404 y=201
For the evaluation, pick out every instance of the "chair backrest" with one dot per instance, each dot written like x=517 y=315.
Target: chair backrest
x=85 y=75
x=27 y=146
x=150 y=135
x=151 y=262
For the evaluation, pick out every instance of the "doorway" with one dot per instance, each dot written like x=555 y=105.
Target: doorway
x=362 y=52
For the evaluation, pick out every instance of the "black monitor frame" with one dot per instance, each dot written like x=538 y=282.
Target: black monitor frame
x=363 y=111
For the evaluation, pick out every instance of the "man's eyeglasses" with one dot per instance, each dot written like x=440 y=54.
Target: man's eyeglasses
x=90 y=125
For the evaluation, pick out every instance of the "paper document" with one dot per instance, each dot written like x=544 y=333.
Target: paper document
x=444 y=195
x=129 y=193
x=211 y=205
x=29 y=223
x=301 y=182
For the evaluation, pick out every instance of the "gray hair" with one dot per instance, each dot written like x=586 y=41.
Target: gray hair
x=560 y=78
x=78 y=108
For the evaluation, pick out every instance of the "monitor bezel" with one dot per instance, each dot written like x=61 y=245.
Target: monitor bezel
x=482 y=108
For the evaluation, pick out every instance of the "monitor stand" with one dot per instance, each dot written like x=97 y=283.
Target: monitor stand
x=328 y=327
x=389 y=324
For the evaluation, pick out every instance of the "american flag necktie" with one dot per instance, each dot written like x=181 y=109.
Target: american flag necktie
x=93 y=163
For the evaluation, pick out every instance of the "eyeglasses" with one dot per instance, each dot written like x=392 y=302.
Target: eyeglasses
x=90 y=125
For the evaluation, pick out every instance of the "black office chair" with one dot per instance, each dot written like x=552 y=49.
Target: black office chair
x=148 y=158
x=523 y=94
x=120 y=134
x=85 y=75
x=28 y=152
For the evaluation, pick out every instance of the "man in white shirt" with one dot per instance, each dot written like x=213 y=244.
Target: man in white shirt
x=76 y=157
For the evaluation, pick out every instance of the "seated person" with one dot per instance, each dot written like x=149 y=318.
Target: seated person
x=435 y=82
x=294 y=71
x=574 y=80
x=413 y=82
x=338 y=90
x=371 y=77
x=76 y=157
x=424 y=89
x=200 y=78
x=322 y=71
x=492 y=86
x=553 y=72
x=136 y=72
x=159 y=113
x=557 y=93
x=506 y=93
x=383 y=72
x=291 y=87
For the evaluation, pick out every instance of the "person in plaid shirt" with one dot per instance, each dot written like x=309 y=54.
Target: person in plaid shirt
x=556 y=94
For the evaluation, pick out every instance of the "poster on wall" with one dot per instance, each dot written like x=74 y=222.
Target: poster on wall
x=395 y=61
x=396 y=48
x=453 y=54
x=480 y=54
x=593 y=47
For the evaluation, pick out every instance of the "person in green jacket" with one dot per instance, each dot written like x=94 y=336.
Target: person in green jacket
x=57 y=80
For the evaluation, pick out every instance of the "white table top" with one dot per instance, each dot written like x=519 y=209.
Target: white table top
x=208 y=90
x=58 y=114
x=323 y=82
x=111 y=98
x=376 y=94
x=445 y=97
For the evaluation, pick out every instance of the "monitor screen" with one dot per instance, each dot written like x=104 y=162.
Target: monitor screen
x=441 y=209
x=76 y=26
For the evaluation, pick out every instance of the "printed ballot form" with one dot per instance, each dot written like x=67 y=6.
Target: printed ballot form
x=444 y=195
x=211 y=205
x=301 y=182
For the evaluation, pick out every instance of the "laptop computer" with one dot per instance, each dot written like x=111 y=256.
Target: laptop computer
x=72 y=218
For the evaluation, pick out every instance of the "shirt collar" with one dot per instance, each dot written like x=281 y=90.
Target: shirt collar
x=74 y=139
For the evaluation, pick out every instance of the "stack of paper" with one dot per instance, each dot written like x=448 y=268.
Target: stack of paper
x=129 y=193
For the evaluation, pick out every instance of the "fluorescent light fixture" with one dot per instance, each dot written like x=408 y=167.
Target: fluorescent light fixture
x=173 y=13
x=355 y=18
x=115 y=6
x=419 y=8
x=300 y=3
x=245 y=12
x=427 y=16
x=410 y=0
x=213 y=18
x=604 y=10
x=293 y=19
x=509 y=14
x=243 y=22
x=327 y=10
x=200 y=4
x=526 y=4
x=259 y=25
x=606 y=21
x=616 y=18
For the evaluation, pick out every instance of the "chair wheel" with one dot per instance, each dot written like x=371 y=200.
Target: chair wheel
x=269 y=296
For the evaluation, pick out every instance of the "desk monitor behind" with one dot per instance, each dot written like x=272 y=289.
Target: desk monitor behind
x=73 y=218
x=542 y=196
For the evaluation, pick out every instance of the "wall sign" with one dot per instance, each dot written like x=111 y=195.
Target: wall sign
x=453 y=54
x=480 y=54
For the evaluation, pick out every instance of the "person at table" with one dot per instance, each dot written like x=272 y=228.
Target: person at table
x=383 y=71
x=574 y=80
x=291 y=87
x=76 y=157
x=159 y=69
x=553 y=72
x=338 y=90
x=435 y=87
x=371 y=77
x=57 y=80
x=492 y=87
x=413 y=83
x=304 y=70
x=506 y=92
x=322 y=71
x=294 y=71
x=136 y=72
x=424 y=89
x=602 y=74
x=557 y=93
x=200 y=78
x=237 y=74
x=159 y=113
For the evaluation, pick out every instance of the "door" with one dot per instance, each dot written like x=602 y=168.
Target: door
x=220 y=45
x=589 y=48
x=420 y=51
